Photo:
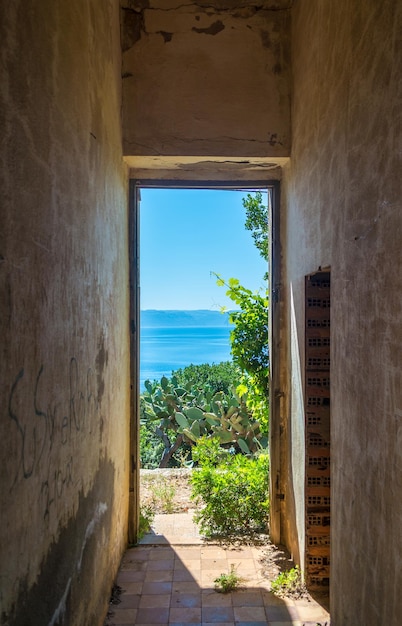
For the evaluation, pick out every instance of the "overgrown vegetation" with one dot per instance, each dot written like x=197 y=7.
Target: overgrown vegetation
x=228 y=401
x=230 y=489
x=217 y=376
x=181 y=415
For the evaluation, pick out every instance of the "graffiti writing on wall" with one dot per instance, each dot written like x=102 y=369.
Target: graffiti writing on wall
x=50 y=431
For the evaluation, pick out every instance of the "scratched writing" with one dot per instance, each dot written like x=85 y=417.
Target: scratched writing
x=44 y=425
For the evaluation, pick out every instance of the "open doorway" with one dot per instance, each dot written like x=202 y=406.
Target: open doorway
x=205 y=230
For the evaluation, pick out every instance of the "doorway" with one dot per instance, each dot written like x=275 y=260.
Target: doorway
x=137 y=189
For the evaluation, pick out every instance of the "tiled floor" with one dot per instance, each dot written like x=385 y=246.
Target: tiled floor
x=169 y=579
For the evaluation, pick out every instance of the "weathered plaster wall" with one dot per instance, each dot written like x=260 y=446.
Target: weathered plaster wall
x=206 y=79
x=63 y=312
x=343 y=208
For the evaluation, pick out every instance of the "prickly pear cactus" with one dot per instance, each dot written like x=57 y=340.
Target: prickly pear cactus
x=191 y=413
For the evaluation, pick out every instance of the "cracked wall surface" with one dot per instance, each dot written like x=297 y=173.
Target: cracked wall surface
x=206 y=79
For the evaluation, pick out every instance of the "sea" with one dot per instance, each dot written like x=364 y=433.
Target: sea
x=165 y=349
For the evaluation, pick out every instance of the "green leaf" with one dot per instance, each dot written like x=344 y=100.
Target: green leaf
x=180 y=391
x=164 y=383
x=243 y=446
x=241 y=390
x=224 y=436
x=193 y=413
x=182 y=420
x=148 y=386
x=212 y=419
x=189 y=434
x=195 y=429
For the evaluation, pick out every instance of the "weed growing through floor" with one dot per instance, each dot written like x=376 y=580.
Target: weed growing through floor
x=146 y=518
x=288 y=583
x=227 y=582
x=163 y=494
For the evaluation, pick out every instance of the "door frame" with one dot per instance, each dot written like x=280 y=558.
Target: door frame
x=134 y=316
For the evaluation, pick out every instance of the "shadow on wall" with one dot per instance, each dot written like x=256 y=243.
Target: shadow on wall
x=56 y=597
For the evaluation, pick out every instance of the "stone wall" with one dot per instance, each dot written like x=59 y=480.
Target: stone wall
x=342 y=208
x=63 y=312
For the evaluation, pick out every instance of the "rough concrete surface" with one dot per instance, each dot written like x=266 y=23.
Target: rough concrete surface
x=206 y=80
x=63 y=312
x=342 y=208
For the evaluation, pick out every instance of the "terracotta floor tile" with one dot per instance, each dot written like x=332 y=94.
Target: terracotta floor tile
x=312 y=613
x=247 y=598
x=185 y=623
x=164 y=576
x=125 y=616
x=270 y=599
x=185 y=587
x=137 y=554
x=182 y=575
x=194 y=564
x=213 y=552
x=219 y=564
x=132 y=587
x=152 y=601
x=242 y=565
x=156 y=588
x=208 y=577
x=137 y=566
x=218 y=624
x=249 y=613
x=162 y=553
x=185 y=615
x=157 y=615
x=160 y=565
x=129 y=601
x=278 y=613
x=129 y=576
x=217 y=614
x=185 y=600
x=188 y=553
x=177 y=585
x=216 y=599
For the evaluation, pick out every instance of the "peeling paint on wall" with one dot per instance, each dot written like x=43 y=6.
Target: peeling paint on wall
x=214 y=29
x=220 y=87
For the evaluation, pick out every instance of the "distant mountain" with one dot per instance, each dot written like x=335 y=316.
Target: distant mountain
x=152 y=318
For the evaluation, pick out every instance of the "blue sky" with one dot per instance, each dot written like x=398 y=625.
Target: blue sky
x=185 y=234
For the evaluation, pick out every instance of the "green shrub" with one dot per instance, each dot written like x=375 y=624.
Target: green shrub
x=217 y=376
x=232 y=494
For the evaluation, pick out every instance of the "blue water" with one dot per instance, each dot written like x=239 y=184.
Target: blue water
x=163 y=350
